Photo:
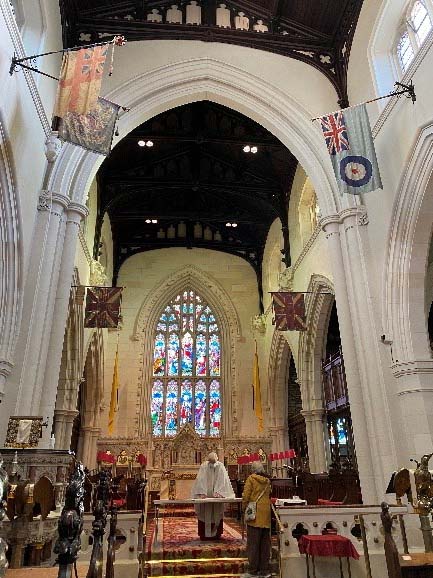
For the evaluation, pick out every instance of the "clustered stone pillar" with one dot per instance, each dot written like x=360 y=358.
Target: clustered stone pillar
x=74 y=215
x=315 y=439
x=354 y=384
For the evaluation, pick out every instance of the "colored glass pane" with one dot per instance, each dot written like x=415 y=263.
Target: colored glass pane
x=200 y=407
x=200 y=355
x=173 y=354
x=187 y=343
x=341 y=431
x=171 y=409
x=156 y=407
x=214 y=408
x=187 y=354
x=186 y=402
x=159 y=355
x=214 y=355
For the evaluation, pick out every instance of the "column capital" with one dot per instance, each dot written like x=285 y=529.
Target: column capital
x=47 y=199
x=355 y=215
x=66 y=412
x=77 y=212
x=53 y=146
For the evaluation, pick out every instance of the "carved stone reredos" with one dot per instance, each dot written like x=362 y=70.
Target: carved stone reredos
x=187 y=437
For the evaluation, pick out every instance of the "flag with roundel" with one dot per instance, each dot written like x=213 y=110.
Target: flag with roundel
x=350 y=145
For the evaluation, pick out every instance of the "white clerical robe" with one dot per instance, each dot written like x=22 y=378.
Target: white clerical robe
x=212 y=481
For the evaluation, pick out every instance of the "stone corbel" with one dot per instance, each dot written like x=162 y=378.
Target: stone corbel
x=97 y=274
x=285 y=279
x=45 y=201
x=258 y=323
x=53 y=146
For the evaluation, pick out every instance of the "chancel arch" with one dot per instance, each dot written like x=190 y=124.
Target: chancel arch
x=190 y=279
x=208 y=79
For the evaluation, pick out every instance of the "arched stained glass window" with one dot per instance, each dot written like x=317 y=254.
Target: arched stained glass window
x=420 y=21
x=186 y=368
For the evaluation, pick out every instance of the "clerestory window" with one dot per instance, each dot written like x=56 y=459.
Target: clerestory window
x=414 y=31
x=186 y=384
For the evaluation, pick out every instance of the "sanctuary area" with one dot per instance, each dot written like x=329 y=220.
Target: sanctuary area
x=216 y=288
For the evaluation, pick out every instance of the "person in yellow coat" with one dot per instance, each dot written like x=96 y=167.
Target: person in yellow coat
x=258 y=489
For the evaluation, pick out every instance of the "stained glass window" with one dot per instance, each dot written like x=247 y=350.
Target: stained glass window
x=186 y=368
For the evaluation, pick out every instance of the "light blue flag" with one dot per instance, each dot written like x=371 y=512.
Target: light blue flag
x=350 y=143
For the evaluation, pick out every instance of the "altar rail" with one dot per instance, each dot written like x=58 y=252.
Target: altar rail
x=360 y=524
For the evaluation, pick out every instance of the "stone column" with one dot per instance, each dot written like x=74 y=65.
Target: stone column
x=63 y=422
x=318 y=430
x=306 y=413
x=355 y=245
x=41 y=283
x=47 y=401
x=348 y=331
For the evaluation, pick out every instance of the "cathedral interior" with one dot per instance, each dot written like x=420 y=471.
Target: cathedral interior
x=217 y=196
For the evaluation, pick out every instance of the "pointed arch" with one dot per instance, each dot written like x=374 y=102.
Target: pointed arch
x=278 y=371
x=230 y=330
x=312 y=342
x=176 y=83
x=11 y=268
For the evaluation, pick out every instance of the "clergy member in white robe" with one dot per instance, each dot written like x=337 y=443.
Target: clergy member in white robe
x=212 y=482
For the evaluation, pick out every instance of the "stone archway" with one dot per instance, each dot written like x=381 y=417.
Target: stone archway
x=91 y=406
x=208 y=79
x=218 y=299
x=278 y=370
x=311 y=352
x=404 y=312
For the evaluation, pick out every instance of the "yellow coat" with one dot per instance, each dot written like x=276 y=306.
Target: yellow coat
x=254 y=486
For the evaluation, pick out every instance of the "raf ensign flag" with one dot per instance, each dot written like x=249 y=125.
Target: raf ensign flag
x=348 y=138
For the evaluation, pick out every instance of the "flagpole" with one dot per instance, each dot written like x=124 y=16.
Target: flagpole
x=408 y=89
x=18 y=61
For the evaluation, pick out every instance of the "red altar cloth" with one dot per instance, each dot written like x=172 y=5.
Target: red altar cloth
x=328 y=545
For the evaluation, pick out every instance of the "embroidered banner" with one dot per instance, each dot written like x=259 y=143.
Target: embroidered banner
x=102 y=307
x=92 y=131
x=80 y=80
x=289 y=311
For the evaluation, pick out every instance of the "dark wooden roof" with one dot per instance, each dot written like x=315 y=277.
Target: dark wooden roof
x=318 y=32
x=196 y=172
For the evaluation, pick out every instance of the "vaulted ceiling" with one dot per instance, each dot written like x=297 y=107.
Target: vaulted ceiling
x=194 y=180
x=318 y=32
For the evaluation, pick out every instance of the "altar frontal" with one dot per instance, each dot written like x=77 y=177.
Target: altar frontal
x=212 y=482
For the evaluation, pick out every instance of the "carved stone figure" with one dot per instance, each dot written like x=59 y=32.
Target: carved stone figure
x=193 y=13
x=258 y=323
x=174 y=15
x=97 y=274
x=285 y=279
x=242 y=22
x=260 y=27
x=223 y=16
x=154 y=16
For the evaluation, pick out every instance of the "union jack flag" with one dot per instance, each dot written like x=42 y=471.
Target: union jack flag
x=335 y=132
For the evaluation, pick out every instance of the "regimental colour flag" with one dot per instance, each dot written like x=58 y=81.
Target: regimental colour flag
x=289 y=311
x=350 y=144
x=80 y=80
x=103 y=307
x=93 y=131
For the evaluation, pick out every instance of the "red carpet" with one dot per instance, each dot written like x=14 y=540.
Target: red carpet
x=177 y=550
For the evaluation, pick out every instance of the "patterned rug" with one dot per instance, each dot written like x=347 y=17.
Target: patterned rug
x=177 y=551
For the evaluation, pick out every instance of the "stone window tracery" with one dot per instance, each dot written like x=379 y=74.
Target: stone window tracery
x=186 y=368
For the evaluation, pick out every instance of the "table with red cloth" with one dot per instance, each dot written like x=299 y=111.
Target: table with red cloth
x=327 y=545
